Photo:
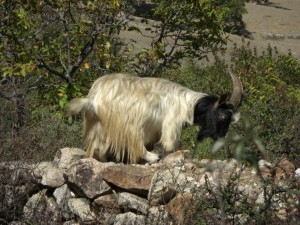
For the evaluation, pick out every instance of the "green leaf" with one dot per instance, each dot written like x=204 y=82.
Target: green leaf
x=107 y=45
x=23 y=71
x=59 y=115
x=239 y=150
x=107 y=64
x=61 y=103
x=218 y=145
x=70 y=119
x=259 y=145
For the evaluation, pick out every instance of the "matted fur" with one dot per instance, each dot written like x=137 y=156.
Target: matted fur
x=123 y=114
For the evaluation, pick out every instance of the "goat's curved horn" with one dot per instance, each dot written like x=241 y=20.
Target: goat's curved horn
x=237 y=92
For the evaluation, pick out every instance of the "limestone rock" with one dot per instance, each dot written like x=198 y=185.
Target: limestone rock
x=62 y=196
x=285 y=206
x=266 y=169
x=66 y=156
x=85 y=177
x=44 y=172
x=47 y=174
x=81 y=208
x=287 y=166
x=177 y=158
x=166 y=183
x=109 y=203
x=134 y=179
x=133 y=202
x=53 y=177
x=285 y=169
x=17 y=223
x=71 y=222
x=159 y=216
x=220 y=169
x=82 y=190
x=181 y=208
x=297 y=174
x=40 y=209
x=129 y=218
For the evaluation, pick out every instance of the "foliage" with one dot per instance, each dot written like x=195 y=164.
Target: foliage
x=59 y=47
x=40 y=138
x=231 y=203
x=186 y=29
x=272 y=88
x=56 y=37
x=247 y=147
x=271 y=85
x=181 y=29
x=234 y=13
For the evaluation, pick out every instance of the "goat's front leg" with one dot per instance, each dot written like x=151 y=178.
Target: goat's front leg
x=170 y=135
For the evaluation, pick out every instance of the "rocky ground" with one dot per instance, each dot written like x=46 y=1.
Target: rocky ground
x=177 y=190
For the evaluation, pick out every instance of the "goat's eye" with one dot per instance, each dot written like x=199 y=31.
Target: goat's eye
x=222 y=117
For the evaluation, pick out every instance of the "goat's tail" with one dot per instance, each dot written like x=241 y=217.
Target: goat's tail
x=78 y=105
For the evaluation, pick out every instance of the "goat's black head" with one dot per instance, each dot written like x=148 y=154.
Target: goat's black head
x=214 y=114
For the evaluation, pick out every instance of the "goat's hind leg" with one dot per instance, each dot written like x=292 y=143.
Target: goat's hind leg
x=96 y=145
x=150 y=156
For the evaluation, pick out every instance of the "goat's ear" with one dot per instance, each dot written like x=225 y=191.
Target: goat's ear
x=224 y=98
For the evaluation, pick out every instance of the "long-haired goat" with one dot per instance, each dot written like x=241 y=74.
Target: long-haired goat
x=124 y=114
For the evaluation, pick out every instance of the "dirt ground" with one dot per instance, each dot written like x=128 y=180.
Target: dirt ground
x=277 y=23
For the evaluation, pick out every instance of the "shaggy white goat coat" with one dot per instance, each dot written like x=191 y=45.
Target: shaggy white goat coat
x=123 y=114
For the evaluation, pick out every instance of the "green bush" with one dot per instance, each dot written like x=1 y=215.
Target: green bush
x=272 y=84
x=41 y=137
x=271 y=87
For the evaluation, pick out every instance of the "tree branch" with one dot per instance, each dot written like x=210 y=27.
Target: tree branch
x=88 y=47
x=5 y=96
x=42 y=64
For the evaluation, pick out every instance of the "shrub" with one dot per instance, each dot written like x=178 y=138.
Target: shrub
x=271 y=86
x=43 y=134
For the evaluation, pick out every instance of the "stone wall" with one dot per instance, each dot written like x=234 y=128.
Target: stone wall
x=177 y=190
